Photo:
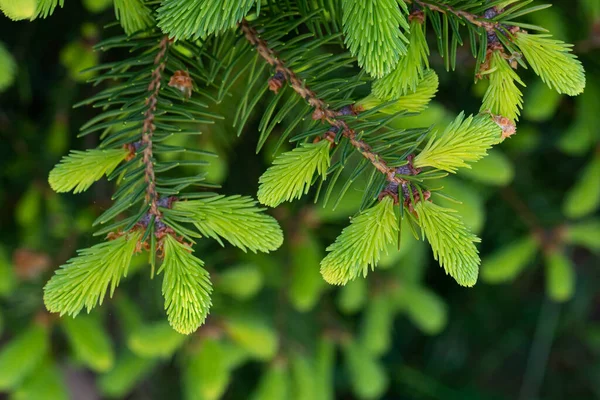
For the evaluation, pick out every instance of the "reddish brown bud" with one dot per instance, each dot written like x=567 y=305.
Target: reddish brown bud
x=181 y=80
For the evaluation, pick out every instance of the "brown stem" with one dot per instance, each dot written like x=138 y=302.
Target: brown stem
x=476 y=20
x=322 y=111
x=149 y=127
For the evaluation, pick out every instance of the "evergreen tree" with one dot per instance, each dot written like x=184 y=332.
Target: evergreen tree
x=335 y=76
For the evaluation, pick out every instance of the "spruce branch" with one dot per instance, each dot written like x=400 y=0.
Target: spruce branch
x=477 y=20
x=80 y=169
x=464 y=140
x=452 y=243
x=322 y=111
x=148 y=126
x=553 y=61
x=186 y=286
x=502 y=96
x=411 y=68
x=411 y=101
x=360 y=244
x=291 y=174
x=236 y=219
x=372 y=33
x=84 y=280
x=134 y=15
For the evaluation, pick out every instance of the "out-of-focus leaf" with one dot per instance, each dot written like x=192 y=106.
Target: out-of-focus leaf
x=241 y=282
x=494 y=169
x=20 y=357
x=127 y=372
x=560 y=276
x=367 y=375
x=306 y=282
x=254 y=335
x=89 y=341
x=46 y=382
x=155 y=340
x=584 y=197
x=506 y=263
x=585 y=233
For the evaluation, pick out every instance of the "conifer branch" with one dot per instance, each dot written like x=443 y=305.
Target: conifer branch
x=322 y=111
x=148 y=127
x=477 y=20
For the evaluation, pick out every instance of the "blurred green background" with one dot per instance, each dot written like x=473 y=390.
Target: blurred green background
x=530 y=329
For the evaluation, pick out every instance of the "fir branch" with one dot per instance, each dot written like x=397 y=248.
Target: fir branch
x=502 y=96
x=372 y=33
x=361 y=243
x=464 y=140
x=148 y=126
x=292 y=173
x=322 y=111
x=80 y=169
x=186 y=287
x=84 y=280
x=452 y=243
x=235 y=219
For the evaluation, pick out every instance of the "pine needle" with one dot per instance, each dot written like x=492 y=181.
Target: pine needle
x=452 y=243
x=235 y=219
x=292 y=172
x=553 y=61
x=84 y=280
x=186 y=287
x=80 y=169
x=361 y=243
x=464 y=140
x=503 y=96
x=373 y=35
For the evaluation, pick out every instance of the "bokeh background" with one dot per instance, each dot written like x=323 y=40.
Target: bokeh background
x=530 y=329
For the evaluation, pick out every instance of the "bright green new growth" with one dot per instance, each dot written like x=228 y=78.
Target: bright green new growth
x=409 y=71
x=133 y=15
x=292 y=172
x=452 y=243
x=186 y=287
x=464 y=140
x=46 y=7
x=83 y=281
x=18 y=9
x=195 y=19
x=503 y=96
x=8 y=68
x=360 y=244
x=235 y=219
x=552 y=60
x=80 y=169
x=415 y=101
x=372 y=33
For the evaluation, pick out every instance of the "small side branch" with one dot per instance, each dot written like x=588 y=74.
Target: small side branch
x=477 y=20
x=322 y=111
x=148 y=127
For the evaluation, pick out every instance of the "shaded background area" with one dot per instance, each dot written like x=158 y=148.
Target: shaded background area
x=406 y=332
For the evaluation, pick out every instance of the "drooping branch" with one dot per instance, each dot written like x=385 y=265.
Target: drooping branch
x=322 y=111
x=148 y=127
